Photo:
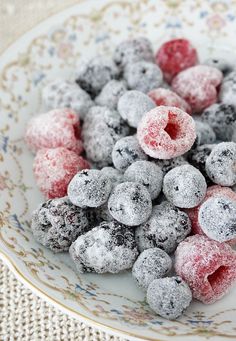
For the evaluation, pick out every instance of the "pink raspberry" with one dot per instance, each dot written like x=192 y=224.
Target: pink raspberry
x=198 y=86
x=207 y=266
x=56 y=128
x=175 y=56
x=166 y=97
x=166 y=132
x=212 y=192
x=54 y=168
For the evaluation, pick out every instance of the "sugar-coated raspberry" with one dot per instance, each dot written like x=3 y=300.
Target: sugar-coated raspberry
x=102 y=128
x=133 y=105
x=207 y=266
x=132 y=51
x=64 y=94
x=151 y=264
x=174 y=56
x=221 y=117
x=54 y=168
x=221 y=164
x=169 y=297
x=111 y=93
x=198 y=86
x=126 y=151
x=212 y=192
x=166 y=97
x=184 y=186
x=205 y=133
x=56 y=128
x=57 y=223
x=197 y=158
x=217 y=218
x=167 y=165
x=227 y=93
x=166 y=132
x=143 y=76
x=89 y=188
x=130 y=203
x=165 y=229
x=220 y=63
x=92 y=75
x=109 y=247
x=147 y=174
x=113 y=174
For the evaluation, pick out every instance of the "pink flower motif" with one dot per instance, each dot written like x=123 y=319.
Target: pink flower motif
x=3 y=184
x=65 y=50
x=216 y=22
x=137 y=315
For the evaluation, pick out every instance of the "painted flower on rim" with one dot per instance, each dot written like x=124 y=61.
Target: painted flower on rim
x=215 y=22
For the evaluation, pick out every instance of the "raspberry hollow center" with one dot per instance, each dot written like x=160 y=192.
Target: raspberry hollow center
x=217 y=277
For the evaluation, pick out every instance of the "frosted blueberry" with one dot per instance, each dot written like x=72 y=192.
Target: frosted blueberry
x=151 y=264
x=89 y=188
x=130 y=203
x=184 y=186
x=111 y=93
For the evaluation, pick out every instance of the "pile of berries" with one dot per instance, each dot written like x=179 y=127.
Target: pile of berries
x=137 y=160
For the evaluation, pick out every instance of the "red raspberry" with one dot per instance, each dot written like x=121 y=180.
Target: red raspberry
x=207 y=266
x=166 y=132
x=198 y=86
x=56 y=128
x=166 y=97
x=212 y=192
x=54 y=168
x=174 y=56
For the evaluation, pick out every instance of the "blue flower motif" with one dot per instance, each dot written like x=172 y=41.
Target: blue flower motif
x=101 y=37
x=72 y=37
x=51 y=51
x=116 y=311
x=89 y=293
x=4 y=143
x=203 y=14
x=14 y=221
x=231 y=17
x=200 y=322
x=38 y=78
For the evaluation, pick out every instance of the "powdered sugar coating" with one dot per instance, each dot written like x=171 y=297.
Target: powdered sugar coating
x=57 y=223
x=212 y=192
x=166 y=227
x=174 y=56
x=126 y=151
x=227 y=92
x=102 y=128
x=111 y=93
x=166 y=132
x=184 y=186
x=92 y=75
x=130 y=203
x=221 y=164
x=167 y=165
x=132 y=51
x=97 y=215
x=56 y=128
x=64 y=94
x=197 y=85
x=147 y=174
x=54 y=168
x=221 y=117
x=169 y=297
x=109 y=247
x=143 y=76
x=89 y=188
x=207 y=266
x=217 y=218
x=113 y=174
x=205 y=133
x=133 y=105
x=150 y=265
x=220 y=63
x=166 y=97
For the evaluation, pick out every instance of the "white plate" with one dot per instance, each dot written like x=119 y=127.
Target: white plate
x=112 y=303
